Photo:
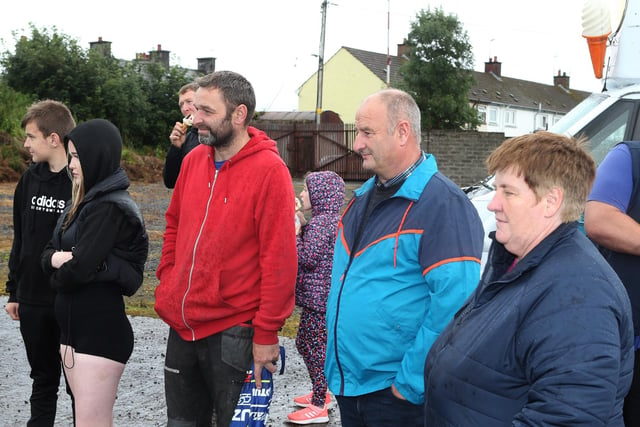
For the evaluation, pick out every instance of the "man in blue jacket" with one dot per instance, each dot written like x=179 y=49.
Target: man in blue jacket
x=407 y=255
x=546 y=339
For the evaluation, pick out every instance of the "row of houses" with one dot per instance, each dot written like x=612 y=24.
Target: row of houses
x=160 y=56
x=504 y=104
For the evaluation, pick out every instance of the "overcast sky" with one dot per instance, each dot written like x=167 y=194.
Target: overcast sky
x=275 y=43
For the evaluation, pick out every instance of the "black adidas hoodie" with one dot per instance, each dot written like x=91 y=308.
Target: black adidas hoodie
x=39 y=198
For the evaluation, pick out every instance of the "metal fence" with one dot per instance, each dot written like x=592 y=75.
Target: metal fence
x=308 y=147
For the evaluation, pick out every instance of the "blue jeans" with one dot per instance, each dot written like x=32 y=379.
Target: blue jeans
x=202 y=379
x=379 y=409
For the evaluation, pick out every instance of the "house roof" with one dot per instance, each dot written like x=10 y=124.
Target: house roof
x=524 y=94
x=377 y=63
x=327 y=116
x=296 y=116
x=488 y=88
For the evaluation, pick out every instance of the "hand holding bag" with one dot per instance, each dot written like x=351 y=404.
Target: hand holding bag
x=252 y=409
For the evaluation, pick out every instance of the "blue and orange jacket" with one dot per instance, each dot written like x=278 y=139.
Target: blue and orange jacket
x=417 y=261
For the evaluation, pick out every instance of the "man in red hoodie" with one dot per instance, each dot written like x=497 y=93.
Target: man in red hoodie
x=228 y=267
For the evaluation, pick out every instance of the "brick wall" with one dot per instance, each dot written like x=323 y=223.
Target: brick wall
x=461 y=155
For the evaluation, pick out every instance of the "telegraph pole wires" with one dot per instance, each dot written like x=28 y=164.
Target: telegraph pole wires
x=321 y=62
x=388 y=70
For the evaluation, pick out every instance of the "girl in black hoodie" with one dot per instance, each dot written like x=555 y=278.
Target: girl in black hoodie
x=96 y=255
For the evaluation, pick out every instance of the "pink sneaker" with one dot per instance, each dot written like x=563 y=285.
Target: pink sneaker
x=305 y=400
x=309 y=415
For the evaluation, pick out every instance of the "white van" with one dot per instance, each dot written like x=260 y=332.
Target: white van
x=605 y=118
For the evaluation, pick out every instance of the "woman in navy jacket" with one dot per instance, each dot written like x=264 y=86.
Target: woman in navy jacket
x=547 y=337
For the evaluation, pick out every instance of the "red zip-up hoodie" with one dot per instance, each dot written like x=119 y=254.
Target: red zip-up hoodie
x=229 y=252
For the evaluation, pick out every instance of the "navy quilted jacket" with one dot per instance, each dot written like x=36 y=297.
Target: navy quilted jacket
x=549 y=343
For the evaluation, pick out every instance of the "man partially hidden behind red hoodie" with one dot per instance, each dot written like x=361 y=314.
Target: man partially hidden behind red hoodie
x=228 y=267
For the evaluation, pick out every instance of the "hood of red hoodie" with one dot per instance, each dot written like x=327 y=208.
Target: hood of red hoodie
x=258 y=141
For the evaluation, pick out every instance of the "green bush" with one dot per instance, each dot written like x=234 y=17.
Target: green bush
x=14 y=156
x=12 y=107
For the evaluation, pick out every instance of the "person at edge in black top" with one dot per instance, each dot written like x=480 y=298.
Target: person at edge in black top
x=184 y=137
x=96 y=255
x=40 y=197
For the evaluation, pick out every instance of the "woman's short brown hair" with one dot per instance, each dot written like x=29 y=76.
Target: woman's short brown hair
x=546 y=160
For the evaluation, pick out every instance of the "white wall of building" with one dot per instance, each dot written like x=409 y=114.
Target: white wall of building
x=514 y=121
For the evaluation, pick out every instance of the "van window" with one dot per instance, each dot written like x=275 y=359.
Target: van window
x=608 y=129
x=579 y=111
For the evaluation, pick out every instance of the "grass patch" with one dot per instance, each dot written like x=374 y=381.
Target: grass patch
x=141 y=304
x=290 y=328
x=152 y=197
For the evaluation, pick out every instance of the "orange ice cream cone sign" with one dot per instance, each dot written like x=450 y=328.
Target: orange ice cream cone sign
x=597 y=48
x=596 y=27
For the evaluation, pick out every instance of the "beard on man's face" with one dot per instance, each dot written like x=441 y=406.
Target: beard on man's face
x=215 y=140
x=221 y=137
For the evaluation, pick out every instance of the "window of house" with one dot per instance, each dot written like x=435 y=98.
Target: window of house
x=482 y=115
x=542 y=122
x=510 y=118
x=493 y=116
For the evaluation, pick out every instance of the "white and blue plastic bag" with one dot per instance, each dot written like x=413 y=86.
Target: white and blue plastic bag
x=252 y=409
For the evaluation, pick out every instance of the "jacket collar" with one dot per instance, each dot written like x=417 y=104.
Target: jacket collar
x=118 y=180
x=500 y=259
x=415 y=183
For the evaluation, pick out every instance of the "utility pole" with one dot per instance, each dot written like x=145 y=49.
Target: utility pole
x=321 y=62
x=388 y=55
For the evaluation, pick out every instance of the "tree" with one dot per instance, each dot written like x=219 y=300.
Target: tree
x=48 y=66
x=125 y=103
x=161 y=87
x=12 y=107
x=438 y=71
x=141 y=100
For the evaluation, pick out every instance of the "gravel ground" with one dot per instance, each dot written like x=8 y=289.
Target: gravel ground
x=140 y=399
x=141 y=393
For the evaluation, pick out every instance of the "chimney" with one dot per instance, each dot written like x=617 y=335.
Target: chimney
x=160 y=56
x=403 y=52
x=561 y=80
x=102 y=46
x=493 y=66
x=206 y=65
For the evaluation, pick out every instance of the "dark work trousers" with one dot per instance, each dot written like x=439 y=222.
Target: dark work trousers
x=631 y=411
x=204 y=377
x=379 y=409
x=41 y=338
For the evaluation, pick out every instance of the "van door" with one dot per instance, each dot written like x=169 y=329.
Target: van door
x=615 y=124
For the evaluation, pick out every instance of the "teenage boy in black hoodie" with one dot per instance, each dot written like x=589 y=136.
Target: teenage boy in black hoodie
x=39 y=198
